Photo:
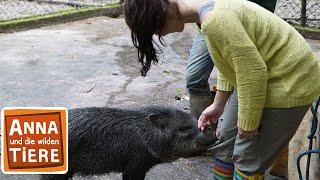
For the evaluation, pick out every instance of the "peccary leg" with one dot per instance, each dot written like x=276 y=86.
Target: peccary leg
x=54 y=177
x=134 y=174
x=136 y=170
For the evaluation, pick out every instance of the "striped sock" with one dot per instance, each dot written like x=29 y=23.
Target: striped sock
x=238 y=175
x=222 y=170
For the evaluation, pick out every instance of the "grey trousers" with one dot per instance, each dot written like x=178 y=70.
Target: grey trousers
x=277 y=127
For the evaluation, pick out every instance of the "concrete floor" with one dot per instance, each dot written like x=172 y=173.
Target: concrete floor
x=93 y=63
x=87 y=63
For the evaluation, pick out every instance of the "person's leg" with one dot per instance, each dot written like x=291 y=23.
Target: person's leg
x=279 y=169
x=197 y=74
x=282 y=123
x=277 y=127
x=227 y=131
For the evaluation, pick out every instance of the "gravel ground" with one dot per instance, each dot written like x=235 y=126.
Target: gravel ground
x=12 y=9
x=16 y=9
x=82 y=2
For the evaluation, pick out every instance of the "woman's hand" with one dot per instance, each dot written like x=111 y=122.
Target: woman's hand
x=210 y=116
x=212 y=113
x=247 y=135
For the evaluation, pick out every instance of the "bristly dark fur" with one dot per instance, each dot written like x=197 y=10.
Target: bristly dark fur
x=103 y=140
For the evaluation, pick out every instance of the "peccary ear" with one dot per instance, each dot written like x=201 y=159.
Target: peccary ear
x=156 y=120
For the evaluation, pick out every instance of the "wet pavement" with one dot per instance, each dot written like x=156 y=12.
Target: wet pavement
x=88 y=63
x=93 y=63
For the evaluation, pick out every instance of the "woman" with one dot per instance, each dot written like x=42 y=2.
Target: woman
x=265 y=62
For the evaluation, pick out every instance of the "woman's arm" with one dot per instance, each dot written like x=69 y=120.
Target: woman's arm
x=221 y=98
x=227 y=33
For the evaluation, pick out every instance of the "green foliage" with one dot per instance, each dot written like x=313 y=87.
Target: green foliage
x=307 y=28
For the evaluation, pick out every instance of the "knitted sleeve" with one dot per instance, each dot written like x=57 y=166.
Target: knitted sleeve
x=250 y=69
x=223 y=84
x=251 y=78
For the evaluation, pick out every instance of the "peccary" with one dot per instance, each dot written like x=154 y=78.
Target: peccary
x=103 y=140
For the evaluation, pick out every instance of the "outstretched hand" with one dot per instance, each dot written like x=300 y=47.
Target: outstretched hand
x=210 y=116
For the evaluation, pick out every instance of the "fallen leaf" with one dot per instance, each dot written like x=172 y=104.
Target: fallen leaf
x=166 y=72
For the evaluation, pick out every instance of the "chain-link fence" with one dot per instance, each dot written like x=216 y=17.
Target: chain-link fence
x=290 y=10
x=13 y=9
x=303 y=12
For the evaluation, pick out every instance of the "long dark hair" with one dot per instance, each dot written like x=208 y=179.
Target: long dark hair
x=145 y=18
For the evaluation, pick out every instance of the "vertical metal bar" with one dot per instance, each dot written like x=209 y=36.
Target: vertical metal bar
x=303 y=12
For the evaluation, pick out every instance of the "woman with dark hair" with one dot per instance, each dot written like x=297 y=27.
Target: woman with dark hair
x=263 y=63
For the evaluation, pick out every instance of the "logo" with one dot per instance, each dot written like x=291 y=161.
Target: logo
x=34 y=140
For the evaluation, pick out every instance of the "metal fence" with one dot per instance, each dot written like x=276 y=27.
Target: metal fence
x=302 y=12
x=294 y=11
